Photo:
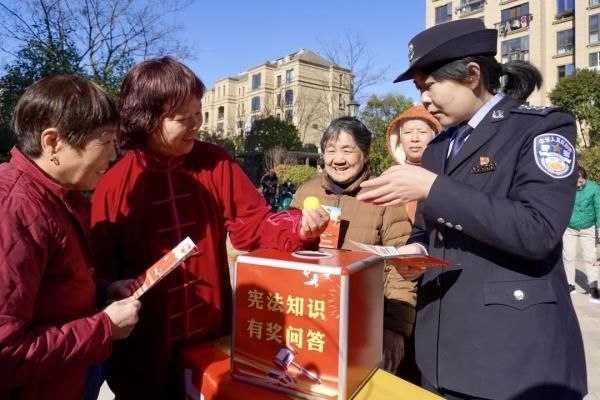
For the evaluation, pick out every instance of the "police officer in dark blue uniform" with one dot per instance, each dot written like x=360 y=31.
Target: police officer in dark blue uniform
x=495 y=191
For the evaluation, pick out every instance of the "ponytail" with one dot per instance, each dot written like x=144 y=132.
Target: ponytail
x=521 y=79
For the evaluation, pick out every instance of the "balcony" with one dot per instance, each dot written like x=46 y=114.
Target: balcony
x=518 y=55
x=469 y=7
x=513 y=25
x=566 y=14
x=565 y=49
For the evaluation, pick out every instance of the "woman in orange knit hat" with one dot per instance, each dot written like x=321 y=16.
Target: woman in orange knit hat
x=408 y=136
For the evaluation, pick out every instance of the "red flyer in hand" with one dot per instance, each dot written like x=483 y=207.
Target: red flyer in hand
x=162 y=267
x=391 y=254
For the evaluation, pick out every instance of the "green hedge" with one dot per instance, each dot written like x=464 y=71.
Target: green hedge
x=297 y=173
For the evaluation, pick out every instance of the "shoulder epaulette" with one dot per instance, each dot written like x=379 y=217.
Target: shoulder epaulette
x=535 y=110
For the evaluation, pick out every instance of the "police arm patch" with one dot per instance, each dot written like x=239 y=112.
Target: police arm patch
x=554 y=155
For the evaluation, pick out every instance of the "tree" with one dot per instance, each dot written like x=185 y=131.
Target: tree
x=589 y=158
x=108 y=35
x=266 y=133
x=33 y=62
x=579 y=95
x=350 y=52
x=380 y=111
x=225 y=142
x=377 y=115
x=99 y=39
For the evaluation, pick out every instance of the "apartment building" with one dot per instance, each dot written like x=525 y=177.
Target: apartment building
x=557 y=36
x=302 y=88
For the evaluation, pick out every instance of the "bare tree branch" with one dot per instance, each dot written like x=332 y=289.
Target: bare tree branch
x=107 y=34
x=350 y=52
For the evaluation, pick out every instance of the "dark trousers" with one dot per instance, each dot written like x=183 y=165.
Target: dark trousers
x=408 y=369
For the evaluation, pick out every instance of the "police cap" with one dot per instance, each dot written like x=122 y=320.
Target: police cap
x=446 y=42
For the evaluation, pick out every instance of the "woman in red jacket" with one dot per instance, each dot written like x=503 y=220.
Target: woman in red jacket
x=50 y=330
x=167 y=187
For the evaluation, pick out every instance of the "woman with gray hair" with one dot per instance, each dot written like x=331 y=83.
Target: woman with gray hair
x=346 y=145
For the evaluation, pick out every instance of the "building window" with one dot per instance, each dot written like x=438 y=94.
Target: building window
x=206 y=115
x=443 y=13
x=594 y=3
x=278 y=80
x=289 y=74
x=255 y=81
x=565 y=41
x=289 y=97
x=595 y=60
x=221 y=112
x=255 y=106
x=515 y=49
x=470 y=6
x=278 y=102
x=514 y=18
x=565 y=8
x=341 y=102
x=252 y=120
x=594 y=28
x=289 y=116
x=515 y=13
x=566 y=70
x=220 y=128
x=341 y=80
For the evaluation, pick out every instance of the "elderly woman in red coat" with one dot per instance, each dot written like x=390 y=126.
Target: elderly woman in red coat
x=50 y=329
x=167 y=187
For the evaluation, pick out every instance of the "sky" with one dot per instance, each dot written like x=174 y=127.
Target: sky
x=227 y=37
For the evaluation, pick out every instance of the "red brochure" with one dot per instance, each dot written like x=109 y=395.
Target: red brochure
x=162 y=267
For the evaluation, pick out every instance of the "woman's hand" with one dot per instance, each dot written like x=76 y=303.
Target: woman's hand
x=398 y=185
x=123 y=315
x=314 y=222
x=393 y=350
x=409 y=273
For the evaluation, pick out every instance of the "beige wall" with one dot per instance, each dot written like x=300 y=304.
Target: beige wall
x=316 y=89
x=542 y=31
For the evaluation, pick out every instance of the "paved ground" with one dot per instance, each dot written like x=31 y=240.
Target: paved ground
x=589 y=319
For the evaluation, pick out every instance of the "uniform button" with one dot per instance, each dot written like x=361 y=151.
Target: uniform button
x=519 y=295
x=441 y=220
x=458 y=227
x=449 y=224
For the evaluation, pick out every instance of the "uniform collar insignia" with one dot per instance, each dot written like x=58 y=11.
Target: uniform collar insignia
x=498 y=114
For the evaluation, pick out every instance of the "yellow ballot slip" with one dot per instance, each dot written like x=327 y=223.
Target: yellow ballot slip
x=384 y=386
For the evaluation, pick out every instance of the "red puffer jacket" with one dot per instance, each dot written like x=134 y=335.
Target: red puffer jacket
x=50 y=332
